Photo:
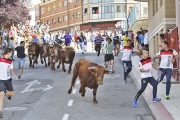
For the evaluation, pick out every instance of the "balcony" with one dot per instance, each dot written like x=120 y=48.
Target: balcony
x=141 y=0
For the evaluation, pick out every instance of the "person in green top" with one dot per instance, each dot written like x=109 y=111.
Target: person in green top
x=108 y=52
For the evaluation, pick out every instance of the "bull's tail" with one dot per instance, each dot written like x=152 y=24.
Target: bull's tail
x=75 y=75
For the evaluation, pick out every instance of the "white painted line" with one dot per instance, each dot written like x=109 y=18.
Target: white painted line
x=77 y=82
x=65 y=117
x=15 y=108
x=74 y=91
x=70 y=103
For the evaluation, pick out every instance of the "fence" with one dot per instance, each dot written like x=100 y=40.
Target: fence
x=173 y=41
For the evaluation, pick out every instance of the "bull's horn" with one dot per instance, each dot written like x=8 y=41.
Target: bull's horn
x=61 y=50
x=61 y=45
x=52 y=55
x=28 y=45
x=91 y=68
x=107 y=70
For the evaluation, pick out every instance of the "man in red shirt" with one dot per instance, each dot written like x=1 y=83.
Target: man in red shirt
x=76 y=40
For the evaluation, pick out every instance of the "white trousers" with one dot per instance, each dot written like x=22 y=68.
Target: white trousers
x=82 y=46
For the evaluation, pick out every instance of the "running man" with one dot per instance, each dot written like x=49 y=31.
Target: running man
x=145 y=67
x=21 y=57
x=166 y=64
x=76 y=44
x=93 y=36
x=116 y=42
x=97 y=43
x=126 y=38
x=108 y=48
x=5 y=77
x=81 y=39
x=126 y=59
x=58 y=41
x=67 y=38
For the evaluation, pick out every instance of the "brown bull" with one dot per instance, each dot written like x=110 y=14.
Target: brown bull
x=45 y=48
x=33 y=52
x=90 y=75
x=67 y=56
x=55 y=55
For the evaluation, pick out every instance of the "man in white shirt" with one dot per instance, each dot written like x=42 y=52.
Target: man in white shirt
x=146 y=39
x=166 y=64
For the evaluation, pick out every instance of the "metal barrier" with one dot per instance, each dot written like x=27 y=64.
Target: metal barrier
x=173 y=41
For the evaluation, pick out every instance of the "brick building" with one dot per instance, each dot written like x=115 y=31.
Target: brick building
x=83 y=14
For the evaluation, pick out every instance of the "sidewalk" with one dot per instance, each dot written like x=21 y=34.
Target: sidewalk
x=166 y=109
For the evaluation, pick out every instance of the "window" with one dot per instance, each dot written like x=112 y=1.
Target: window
x=107 y=9
x=120 y=8
x=65 y=18
x=161 y=2
x=85 y=11
x=77 y=1
x=48 y=9
x=71 y=16
x=71 y=2
x=59 y=5
x=42 y=10
x=95 y=10
x=53 y=21
x=37 y=12
x=78 y=15
x=48 y=22
x=65 y=3
x=130 y=8
x=145 y=10
x=156 y=5
x=138 y=9
x=53 y=7
x=153 y=3
x=59 y=19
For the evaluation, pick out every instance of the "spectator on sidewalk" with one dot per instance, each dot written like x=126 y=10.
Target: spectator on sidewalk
x=145 y=67
x=108 y=53
x=36 y=39
x=98 y=40
x=146 y=39
x=166 y=64
x=5 y=44
x=1 y=52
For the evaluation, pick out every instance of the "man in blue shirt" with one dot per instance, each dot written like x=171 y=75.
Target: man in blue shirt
x=35 y=39
x=129 y=35
x=67 y=38
x=141 y=38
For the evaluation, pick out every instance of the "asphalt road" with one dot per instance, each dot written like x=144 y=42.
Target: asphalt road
x=115 y=98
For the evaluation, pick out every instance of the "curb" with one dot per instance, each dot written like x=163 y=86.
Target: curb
x=152 y=110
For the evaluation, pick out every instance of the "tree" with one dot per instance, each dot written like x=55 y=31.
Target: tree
x=13 y=11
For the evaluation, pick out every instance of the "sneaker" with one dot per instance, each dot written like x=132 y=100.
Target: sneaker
x=125 y=81
x=82 y=52
x=167 y=96
x=112 y=71
x=19 y=77
x=135 y=103
x=1 y=114
x=9 y=97
x=156 y=99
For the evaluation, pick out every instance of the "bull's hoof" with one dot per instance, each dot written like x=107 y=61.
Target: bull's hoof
x=69 y=72
x=42 y=62
x=80 y=91
x=64 y=70
x=95 y=101
x=48 y=64
x=69 y=91
x=45 y=65
x=32 y=66
x=58 y=67
x=82 y=94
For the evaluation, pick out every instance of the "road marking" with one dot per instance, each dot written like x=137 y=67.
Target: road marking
x=28 y=88
x=70 y=103
x=74 y=91
x=15 y=108
x=65 y=117
x=77 y=82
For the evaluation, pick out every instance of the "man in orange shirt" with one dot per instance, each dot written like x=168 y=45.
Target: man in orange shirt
x=76 y=40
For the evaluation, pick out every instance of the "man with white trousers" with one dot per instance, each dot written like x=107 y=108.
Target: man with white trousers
x=81 y=41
